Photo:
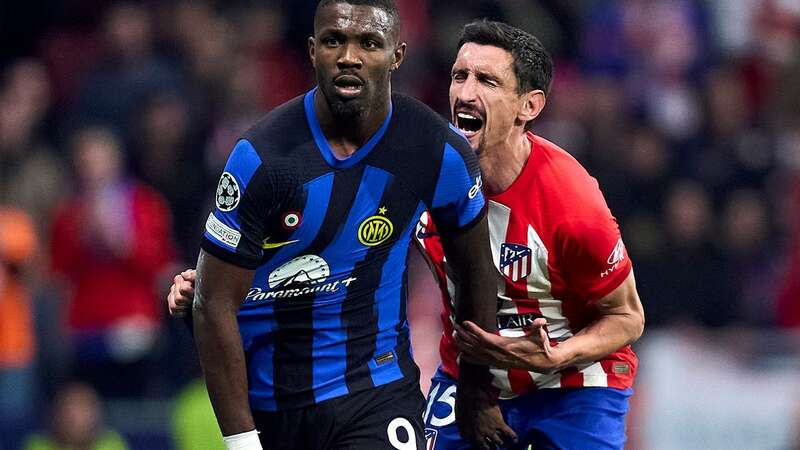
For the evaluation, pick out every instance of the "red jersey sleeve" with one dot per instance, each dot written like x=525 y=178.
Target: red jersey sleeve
x=594 y=258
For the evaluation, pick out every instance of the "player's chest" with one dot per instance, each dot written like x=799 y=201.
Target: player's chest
x=342 y=214
x=519 y=248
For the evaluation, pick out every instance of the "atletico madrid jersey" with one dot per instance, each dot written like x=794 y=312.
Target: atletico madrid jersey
x=557 y=250
x=328 y=240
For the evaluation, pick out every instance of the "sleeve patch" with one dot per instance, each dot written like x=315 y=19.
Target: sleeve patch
x=221 y=232
x=228 y=193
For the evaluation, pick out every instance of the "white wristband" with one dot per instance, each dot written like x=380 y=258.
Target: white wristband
x=243 y=441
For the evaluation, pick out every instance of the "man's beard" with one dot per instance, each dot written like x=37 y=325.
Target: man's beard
x=346 y=109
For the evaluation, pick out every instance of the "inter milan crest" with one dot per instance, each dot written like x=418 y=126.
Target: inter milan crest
x=227 y=193
x=375 y=229
x=515 y=261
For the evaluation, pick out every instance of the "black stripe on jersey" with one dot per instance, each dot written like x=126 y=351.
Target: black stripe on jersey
x=407 y=365
x=359 y=315
x=294 y=382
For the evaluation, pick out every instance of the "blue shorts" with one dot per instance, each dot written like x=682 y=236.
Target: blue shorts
x=583 y=418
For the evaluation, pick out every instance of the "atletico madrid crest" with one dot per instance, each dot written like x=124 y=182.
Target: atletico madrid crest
x=515 y=261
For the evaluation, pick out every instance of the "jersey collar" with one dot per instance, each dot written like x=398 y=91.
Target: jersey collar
x=324 y=146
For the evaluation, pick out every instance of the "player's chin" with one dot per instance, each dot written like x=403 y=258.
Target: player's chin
x=474 y=139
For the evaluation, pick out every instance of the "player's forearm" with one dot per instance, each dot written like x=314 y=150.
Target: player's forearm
x=601 y=338
x=221 y=355
x=470 y=258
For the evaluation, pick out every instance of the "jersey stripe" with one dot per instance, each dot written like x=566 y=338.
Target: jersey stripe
x=361 y=318
x=390 y=309
x=318 y=194
x=294 y=338
x=242 y=164
x=334 y=320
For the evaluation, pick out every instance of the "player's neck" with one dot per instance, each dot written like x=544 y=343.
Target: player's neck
x=346 y=134
x=502 y=164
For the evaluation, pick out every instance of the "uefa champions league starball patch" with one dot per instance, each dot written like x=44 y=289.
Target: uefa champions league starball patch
x=228 y=193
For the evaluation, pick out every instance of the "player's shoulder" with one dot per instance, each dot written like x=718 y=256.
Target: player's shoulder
x=280 y=130
x=567 y=185
x=556 y=159
x=558 y=170
x=416 y=119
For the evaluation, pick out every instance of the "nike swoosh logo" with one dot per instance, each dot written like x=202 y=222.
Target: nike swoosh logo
x=270 y=245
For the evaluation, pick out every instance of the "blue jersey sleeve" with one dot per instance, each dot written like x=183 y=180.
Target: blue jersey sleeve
x=458 y=200
x=243 y=198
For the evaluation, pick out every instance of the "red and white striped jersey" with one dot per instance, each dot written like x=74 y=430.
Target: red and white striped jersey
x=557 y=249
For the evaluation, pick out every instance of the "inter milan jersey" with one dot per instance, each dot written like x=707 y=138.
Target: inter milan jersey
x=329 y=238
x=557 y=250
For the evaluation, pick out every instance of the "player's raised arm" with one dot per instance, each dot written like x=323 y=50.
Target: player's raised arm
x=231 y=251
x=219 y=290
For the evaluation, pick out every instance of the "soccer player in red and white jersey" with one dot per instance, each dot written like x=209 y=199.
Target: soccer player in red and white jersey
x=568 y=308
x=567 y=304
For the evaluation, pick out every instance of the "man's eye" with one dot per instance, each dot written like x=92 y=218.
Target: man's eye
x=458 y=76
x=331 y=41
x=370 y=44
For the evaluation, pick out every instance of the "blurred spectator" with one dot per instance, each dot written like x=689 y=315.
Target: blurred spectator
x=752 y=266
x=127 y=73
x=166 y=153
x=193 y=422
x=693 y=284
x=17 y=342
x=282 y=69
x=240 y=108
x=110 y=242
x=76 y=424
x=31 y=176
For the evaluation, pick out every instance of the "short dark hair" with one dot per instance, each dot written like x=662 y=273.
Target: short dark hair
x=387 y=5
x=532 y=65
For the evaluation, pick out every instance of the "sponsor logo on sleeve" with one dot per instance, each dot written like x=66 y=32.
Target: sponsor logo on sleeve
x=473 y=191
x=375 y=230
x=222 y=232
x=616 y=257
x=228 y=193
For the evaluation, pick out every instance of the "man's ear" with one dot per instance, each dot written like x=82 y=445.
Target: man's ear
x=399 y=56
x=532 y=106
x=312 y=50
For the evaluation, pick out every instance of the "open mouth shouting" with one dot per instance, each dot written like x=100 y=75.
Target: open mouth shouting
x=468 y=120
x=348 y=86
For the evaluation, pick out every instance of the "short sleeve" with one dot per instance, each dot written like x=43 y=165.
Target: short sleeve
x=458 y=201
x=594 y=259
x=243 y=199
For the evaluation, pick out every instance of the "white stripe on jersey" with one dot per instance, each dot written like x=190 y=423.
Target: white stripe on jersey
x=539 y=279
x=498 y=227
x=500 y=381
x=594 y=376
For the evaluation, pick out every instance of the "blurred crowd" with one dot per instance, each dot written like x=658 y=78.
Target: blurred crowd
x=116 y=119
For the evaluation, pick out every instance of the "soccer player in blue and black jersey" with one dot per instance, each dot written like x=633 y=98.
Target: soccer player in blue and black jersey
x=299 y=309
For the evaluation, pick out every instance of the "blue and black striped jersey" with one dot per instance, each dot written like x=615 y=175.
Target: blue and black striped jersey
x=329 y=239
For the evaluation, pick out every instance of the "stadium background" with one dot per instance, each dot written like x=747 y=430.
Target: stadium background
x=687 y=112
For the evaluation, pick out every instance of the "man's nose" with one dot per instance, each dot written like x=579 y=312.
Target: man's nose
x=467 y=91
x=350 y=57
